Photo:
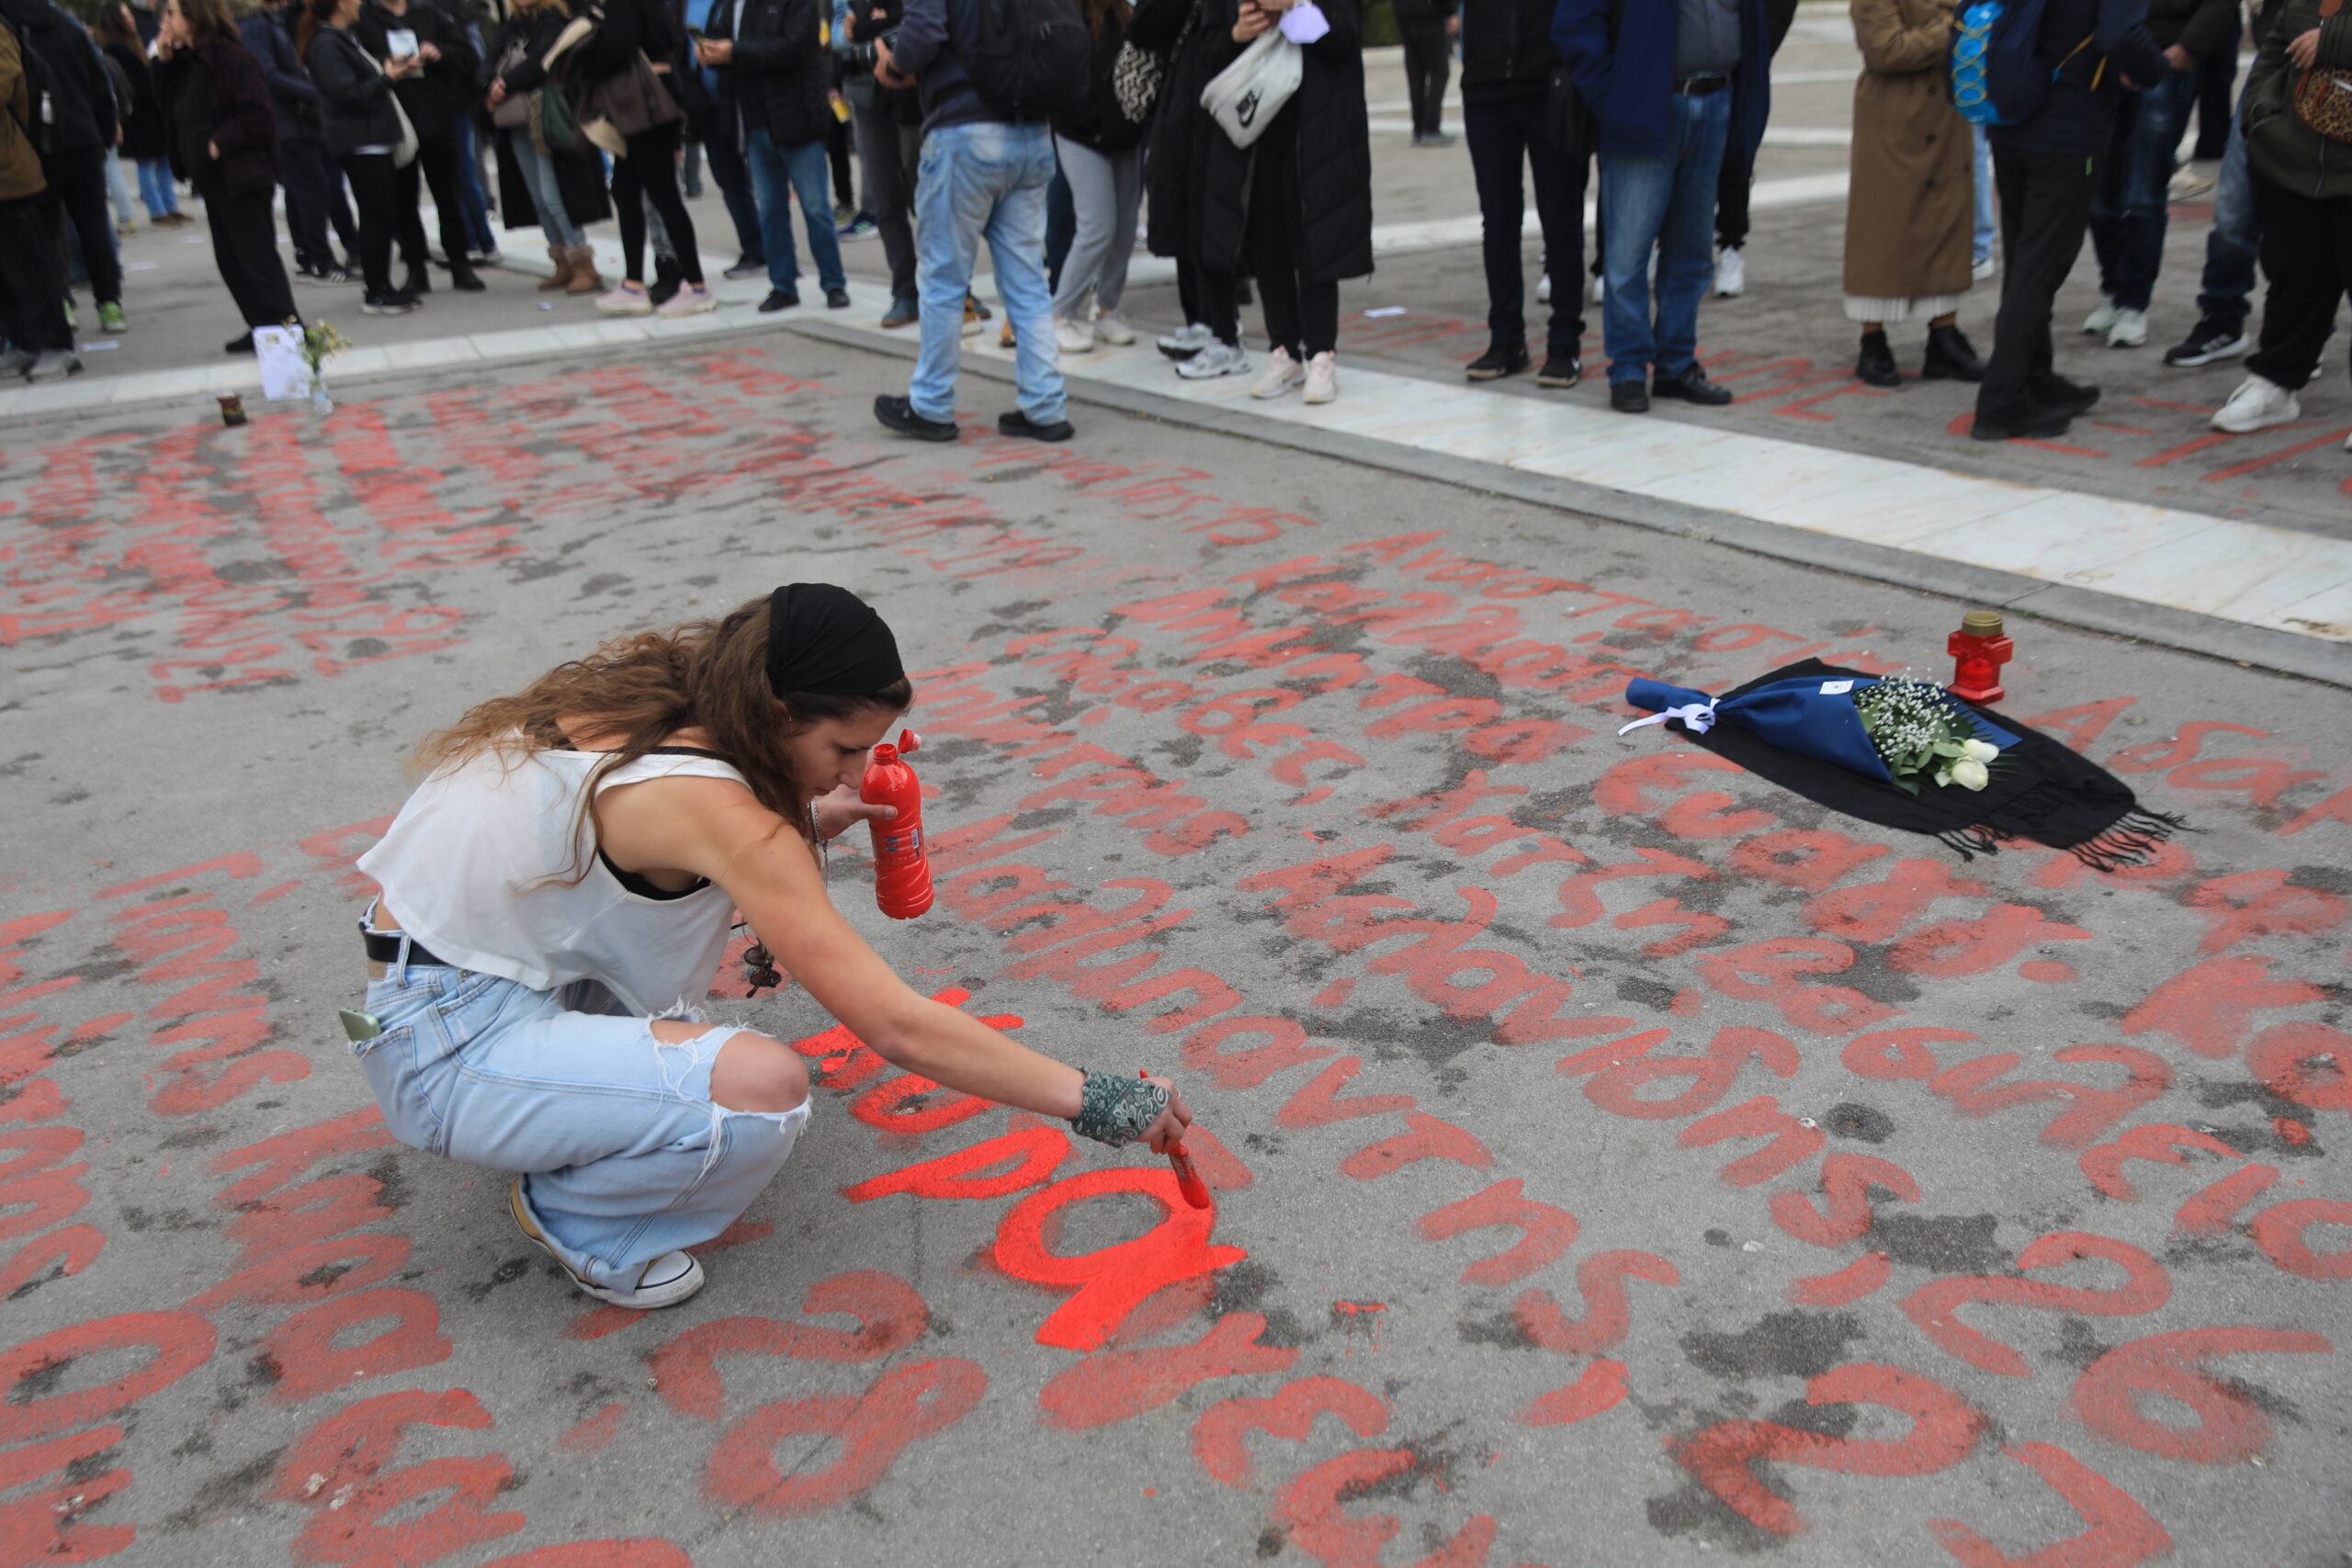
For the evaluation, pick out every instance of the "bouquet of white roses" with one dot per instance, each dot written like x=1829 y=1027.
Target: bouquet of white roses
x=1920 y=733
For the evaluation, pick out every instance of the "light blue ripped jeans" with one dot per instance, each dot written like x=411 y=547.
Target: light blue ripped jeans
x=623 y=1154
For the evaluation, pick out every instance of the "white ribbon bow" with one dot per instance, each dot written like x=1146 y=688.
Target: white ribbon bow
x=1700 y=716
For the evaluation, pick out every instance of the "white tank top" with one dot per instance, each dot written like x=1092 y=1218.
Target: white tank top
x=465 y=865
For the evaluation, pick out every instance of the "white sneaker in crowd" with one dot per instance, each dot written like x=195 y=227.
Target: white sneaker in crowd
x=624 y=300
x=1985 y=267
x=1217 y=359
x=1186 y=340
x=1282 y=374
x=1071 y=338
x=1731 y=274
x=1112 y=328
x=2102 y=317
x=1600 y=289
x=2129 y=330
x=2258 y=404
x=691 y=299
x=1322 y=378
x=1544 y=290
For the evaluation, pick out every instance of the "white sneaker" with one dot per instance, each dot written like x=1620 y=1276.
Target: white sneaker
x=624 y=300
x=1322 y=378
x=691 y=299
x=1544 y=290
x=1282 y=374
x=1186 y=340
x=1600 y=289
x=1731 y=274
x=2258 y=404
x=1217 y=359
x=2102 y=318
x=1984 y=269
x=1071 y=338
x=667 y=1281
x=2129 y=330
x=1112 y=328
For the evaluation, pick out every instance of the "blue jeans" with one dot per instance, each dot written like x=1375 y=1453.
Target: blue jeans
x=623 y=1154
x=1985 y=224
x=734 y=183
x=2236 y=243
x=802 y=169
x=156 y=192
x=985 y=180
x=476 y=203
x=1666 y=200
x=2128 y=213
x=547 y=192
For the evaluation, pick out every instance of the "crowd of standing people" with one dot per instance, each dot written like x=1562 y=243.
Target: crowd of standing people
x=1232 y=135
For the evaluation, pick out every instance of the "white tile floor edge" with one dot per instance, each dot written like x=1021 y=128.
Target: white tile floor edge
x=2250 y=573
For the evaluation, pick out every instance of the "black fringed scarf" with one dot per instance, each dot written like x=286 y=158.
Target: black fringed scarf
x=2039 y=791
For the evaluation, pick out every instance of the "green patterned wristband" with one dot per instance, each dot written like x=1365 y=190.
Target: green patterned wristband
x=1117 y=1111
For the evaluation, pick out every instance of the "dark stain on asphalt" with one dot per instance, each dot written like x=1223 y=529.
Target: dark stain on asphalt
x=1782 y=1344
x=1859 y=1122
x=1502 y=1330
x=506 y=1273
x=1649 y=993
x=1244 y=1288
x=2078 y=1346
x=1943 y=1244
x=238 y=1489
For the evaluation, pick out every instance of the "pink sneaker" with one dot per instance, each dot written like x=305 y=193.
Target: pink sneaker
x=691 y=299
x=625 y=300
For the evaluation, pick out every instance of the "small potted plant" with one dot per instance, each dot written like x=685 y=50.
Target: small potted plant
x=319 y=342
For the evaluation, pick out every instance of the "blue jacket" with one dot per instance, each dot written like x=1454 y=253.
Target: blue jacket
x=929 y=48
x=1629 y=88
x=282 y=73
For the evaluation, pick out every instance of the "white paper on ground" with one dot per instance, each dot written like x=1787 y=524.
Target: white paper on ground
x=100 y=347
x=139 y=266
x=284 y=375
x=1386 y=310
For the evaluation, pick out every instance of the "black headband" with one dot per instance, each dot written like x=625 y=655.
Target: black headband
x=827 y=641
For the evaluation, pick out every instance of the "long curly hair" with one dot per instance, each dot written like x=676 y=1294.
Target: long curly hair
x=644 y=687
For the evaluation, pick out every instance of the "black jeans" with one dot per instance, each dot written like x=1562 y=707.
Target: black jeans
x=1501 y=135
x=1302 y=313
x=650 y=173
x=733 y=177
x=1217 y=311
x=888 y=150
x=1428 y=56
x=32 y=291
x=437 y=164
x=313 y=199
x=245 y=246
x=77 y=194
x=373 y=186
x=2045 y=212
x=2307 y=256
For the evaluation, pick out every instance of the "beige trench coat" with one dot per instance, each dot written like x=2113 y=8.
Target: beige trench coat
x=1910 y=207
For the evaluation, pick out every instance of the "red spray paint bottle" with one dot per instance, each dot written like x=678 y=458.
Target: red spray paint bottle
x=901 y=865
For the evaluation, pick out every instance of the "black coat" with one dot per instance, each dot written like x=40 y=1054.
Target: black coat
x=779 y=77
x=1507 y=50
x=580 y=176
x=355 y=96
x=213 y=95
x=290 y=93
x=1100 y=123
x=625 y=28
x=438 y=96
x=144 y=135
x=1333 y=147
x=83 y=98
x=1180 y=131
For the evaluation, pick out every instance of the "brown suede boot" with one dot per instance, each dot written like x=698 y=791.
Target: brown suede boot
x=562 y=278
x=584 y=272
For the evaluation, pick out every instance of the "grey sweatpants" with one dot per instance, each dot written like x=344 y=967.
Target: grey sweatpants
x=1105 y=190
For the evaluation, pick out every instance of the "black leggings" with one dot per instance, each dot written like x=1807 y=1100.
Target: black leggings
x=650 y=173
x=1219 y=313
x=372 y=191
x=434 y=168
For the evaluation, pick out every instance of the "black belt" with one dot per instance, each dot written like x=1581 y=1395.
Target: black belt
x=1700 y=86
x=384 y=947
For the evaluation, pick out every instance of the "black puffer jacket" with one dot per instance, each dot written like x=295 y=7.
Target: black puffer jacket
x=436 y=96
x=355 y=96
x=780 y=75
x=1507 y=50
x=1333 y=147
x=292 y=98
x=1180 y=131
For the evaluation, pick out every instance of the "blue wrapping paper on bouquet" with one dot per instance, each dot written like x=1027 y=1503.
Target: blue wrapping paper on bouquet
x=1811 y=716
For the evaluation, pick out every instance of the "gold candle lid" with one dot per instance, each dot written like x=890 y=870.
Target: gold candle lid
x=1980 y=623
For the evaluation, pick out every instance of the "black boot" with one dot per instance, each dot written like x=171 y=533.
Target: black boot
x=1951 y=356
x=463 y=279
x=667 y=279
x=1876 y=365
x=418 y=281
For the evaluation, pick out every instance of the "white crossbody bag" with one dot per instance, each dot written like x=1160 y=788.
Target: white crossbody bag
x=1245 y=96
